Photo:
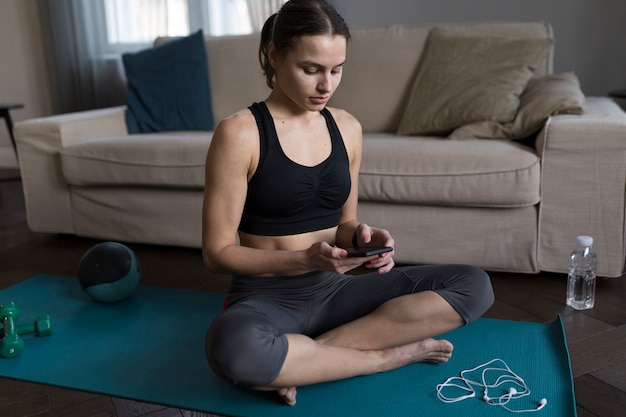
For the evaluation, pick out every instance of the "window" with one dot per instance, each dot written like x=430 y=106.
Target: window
x=141 y=21
x=135 y=22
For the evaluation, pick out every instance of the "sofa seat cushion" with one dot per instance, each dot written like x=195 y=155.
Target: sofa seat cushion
x=172 y=159
x=437 y=171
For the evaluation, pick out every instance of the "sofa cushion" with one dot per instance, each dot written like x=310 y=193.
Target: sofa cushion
x=463 y=79
x=168 y=87
x=174 y=159
x=542 y=98
x=438 y=171
x=384 y=81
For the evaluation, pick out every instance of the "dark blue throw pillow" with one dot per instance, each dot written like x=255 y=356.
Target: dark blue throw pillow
x=168 y=87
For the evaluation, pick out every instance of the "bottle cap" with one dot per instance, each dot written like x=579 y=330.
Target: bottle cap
x=585 y=240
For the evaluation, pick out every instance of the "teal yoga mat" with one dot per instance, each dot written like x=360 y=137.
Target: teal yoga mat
x=150 y=348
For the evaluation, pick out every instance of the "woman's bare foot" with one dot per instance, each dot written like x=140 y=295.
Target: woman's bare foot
x=427 y=350
x=288 y=395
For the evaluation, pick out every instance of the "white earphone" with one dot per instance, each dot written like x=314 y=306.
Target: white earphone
x=508 y=396
x=542 y=403
x=506 y=377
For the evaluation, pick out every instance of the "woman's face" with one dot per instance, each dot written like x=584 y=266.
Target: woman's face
x=310 y=73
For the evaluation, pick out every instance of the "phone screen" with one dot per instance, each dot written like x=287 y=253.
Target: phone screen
x=367 y=251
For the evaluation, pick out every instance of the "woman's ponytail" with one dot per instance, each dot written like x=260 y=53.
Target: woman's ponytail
x=264 y=59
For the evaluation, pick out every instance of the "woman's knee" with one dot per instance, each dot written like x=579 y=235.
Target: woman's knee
x=245 y=349
x=483 y=289
x=469 y=290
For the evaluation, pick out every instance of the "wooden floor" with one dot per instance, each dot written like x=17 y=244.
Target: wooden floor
x=596 y=338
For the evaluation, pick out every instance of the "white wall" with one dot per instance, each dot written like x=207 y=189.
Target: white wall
x=22 y=68
x=590 y=34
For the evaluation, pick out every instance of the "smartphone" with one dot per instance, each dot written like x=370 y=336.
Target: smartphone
x=367 y=251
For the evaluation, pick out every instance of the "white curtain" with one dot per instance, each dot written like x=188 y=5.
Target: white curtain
x=86 y=38
x=259 y=11
x=76 y=59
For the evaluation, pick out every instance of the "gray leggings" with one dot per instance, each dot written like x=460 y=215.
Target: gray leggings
x=246 y=343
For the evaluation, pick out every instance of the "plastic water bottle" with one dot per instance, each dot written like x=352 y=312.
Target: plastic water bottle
x=581 y=282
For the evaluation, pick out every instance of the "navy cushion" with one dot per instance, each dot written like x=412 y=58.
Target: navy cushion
x=168 y=87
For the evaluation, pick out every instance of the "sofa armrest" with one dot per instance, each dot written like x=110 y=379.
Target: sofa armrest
x=38 y=142
x=582 y=189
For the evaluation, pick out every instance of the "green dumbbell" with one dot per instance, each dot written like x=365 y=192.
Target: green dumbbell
x=12 y=344
x=9 y=310
x=41 y=327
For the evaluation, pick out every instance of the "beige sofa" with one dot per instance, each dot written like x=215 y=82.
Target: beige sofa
x=499 y=204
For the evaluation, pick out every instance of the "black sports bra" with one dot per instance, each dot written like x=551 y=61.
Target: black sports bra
x=286 y=198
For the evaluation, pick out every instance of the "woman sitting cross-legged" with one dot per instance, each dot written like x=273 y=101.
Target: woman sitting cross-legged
x=280 y=213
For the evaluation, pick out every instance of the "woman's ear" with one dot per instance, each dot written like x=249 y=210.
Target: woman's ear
x=272 y=55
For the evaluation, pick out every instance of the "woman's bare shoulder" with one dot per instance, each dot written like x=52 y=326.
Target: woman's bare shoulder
x=235 y=140
x=345 y=120
x=343 y=117
x=237 y=131
x=238 y=124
